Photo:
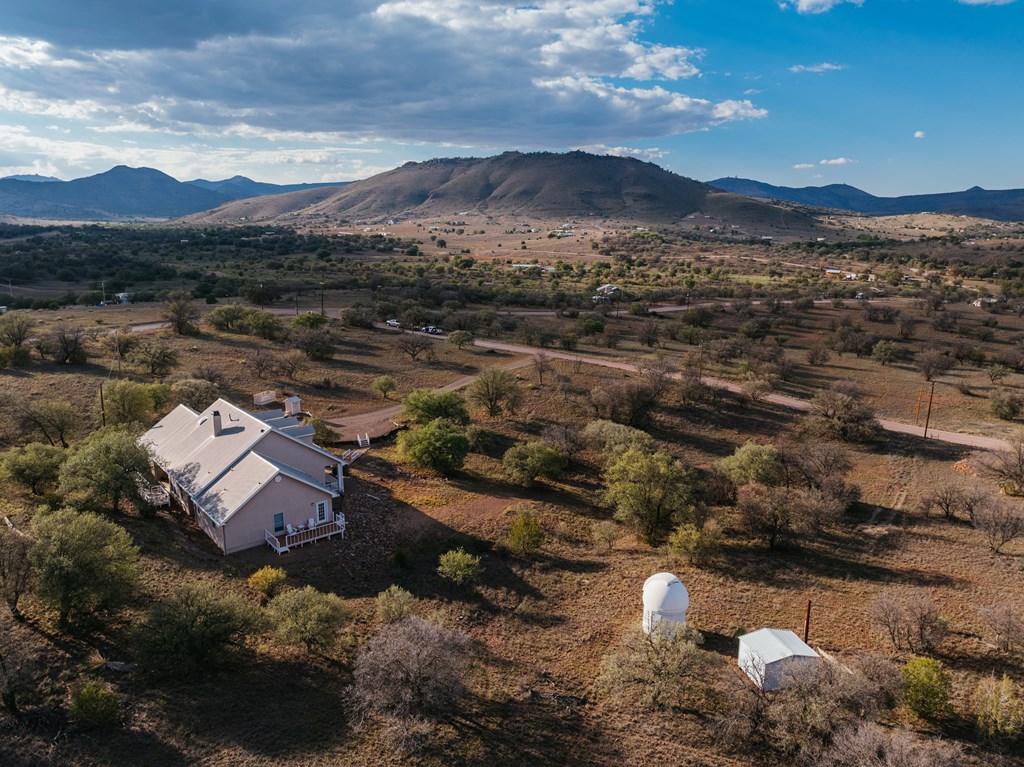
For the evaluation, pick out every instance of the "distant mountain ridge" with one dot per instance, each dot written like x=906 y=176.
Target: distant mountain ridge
x=1002 y=205
x=125 y=193
x=546 y=184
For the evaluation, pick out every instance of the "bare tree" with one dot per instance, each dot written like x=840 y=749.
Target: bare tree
x=411 y=668
x=1000 y=520
x=1006 y=467
x=15 y=567
x=15 y=328
x=262 y=363
x=911 y=620
x=414 y=345
x=292 y=363
x=1006 y=622
x=869 y=744
x=68 y=345
x=839 y=413
x=541 y=365
x=495 y=391
x=951 y=500
x=932 y=363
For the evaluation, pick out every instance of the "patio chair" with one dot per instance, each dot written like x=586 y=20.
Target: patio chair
x=311 y=524
x=289 y=528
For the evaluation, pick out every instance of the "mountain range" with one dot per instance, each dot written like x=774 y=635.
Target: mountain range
x=544 y=184
x=125 y=193
x=1002 y=205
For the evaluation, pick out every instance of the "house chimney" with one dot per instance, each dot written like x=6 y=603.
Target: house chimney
x=216 y=423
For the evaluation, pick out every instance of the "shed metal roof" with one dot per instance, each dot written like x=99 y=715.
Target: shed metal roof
x=772 y=645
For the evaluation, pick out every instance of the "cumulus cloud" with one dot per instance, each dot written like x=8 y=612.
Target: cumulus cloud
x=817 y=68
x=553 y=72
x=804 y=165
x=815 y=6
x=648 y=155
x=919 y=134
x=838 y=161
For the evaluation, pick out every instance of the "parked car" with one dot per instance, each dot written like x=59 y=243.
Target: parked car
x=393 y=323
x=434 y=330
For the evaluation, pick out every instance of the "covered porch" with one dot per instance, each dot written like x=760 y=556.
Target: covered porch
x=284 y=540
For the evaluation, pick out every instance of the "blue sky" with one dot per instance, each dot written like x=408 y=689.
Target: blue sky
x=892 y=96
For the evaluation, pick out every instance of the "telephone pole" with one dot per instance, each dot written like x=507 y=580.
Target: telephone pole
x=928 y=415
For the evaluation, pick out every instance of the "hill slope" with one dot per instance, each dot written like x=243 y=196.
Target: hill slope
x=241 y=187
x=540 y=184
x=1003 y=205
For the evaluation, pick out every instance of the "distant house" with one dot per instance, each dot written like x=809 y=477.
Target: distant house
x=984 y=301
x=249 y=479
x=770 y=657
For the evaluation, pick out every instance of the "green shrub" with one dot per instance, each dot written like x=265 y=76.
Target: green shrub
x=752 y=463
x=307 y=617
x=94 y=706
x=525 y=534
x=999 y=707
x=459 y=566
x=1006 y=407
x=267 y=581
x=382 y=386
x=698 y=545
x=926 y=688
x=440 y=445
x=525 y=462
x=394 y=603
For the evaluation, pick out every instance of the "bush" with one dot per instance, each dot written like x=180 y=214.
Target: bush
x=752 y=463
x=838 y=413
x=440 y=445
x=199 y=626
x=911 y=620
x=698 y=545
x=525 y=534
x=926 y=688
x=605 y=533
x=1005 y=406
x=649 y=490
x=999 y=707
x=459 y=566
x=94 y=706
x=424 y=405
x=611 y=439
x=267 y=581
x=307 y=617
x=195 y=393
x=869 y=744
x=523 y=463
x=34 y=466
x=409 y=669
x=382 y=386
x=394 y=604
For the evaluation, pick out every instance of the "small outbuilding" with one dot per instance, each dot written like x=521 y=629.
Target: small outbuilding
x=770 y=657
x=665 y=599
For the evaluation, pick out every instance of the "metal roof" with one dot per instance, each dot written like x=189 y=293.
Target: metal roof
x=771 y=645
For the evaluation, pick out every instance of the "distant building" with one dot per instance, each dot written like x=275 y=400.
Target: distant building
x=771 y=657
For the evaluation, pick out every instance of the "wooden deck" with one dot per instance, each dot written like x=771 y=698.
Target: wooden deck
x=283 y=542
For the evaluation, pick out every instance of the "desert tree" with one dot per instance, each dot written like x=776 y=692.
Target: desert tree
x=262 y=363
x=83 y=564
x=16 y=668
x=460 y=338
x=15 y=567
x=382 y=386
x=69 y=346
x=263 y=324
x=778 y=515
x=230 y=318
x=292 y=363
x=198 y=626
x=927 y=687
x=932 y=363
x=1006 y=626
x=752 y=462
x=104 y=469
x=1000 y=520
x=1006 y=467
x=315 y=343
x=665 y=669
x=951 y=500
x=394 y=603
x=181 y=313
x=495 y=391
x=157 y=358
x=421 y=406
x=525 y=534
x=911 y=620
x=541 y=365
x=610 y=440
x=999 y=708
x=307 y=617
x=414 y=345
x=127 y=402
x=839 y=413
x=524 y=462
x=57 y=420
x=629 y=402
x=411 y=668
x=15 y=328
x=196 y=393
x=34 y=466
x=459 y=566
x=439 y=445
x=649 y=490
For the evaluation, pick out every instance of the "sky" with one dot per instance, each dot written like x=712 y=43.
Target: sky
x=892 y=96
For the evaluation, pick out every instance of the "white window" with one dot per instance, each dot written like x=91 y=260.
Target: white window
x=321 y=511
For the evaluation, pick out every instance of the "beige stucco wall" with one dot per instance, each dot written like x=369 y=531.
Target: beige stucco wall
x=294 y=454
x=296 y=500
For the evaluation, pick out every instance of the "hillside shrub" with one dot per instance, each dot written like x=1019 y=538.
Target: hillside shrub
x=394 y=603
x=267 y=581
x=307 y=617
x=459 y=566
x=926 y=688
x=94 y=706
x=525 y=534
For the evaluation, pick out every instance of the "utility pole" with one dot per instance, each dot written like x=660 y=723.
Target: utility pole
x=103 y=287
x=322 y=312
x=928 y=416
x=103 y=410
x=920 y=401
x=807 y=622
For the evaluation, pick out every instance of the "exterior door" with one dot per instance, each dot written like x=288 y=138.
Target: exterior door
x=321 y=511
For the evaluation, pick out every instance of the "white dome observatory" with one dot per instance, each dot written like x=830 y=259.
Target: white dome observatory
x=665 y=599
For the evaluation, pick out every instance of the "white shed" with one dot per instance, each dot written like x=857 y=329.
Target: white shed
x=293 y=405
x=769 y=656
x=665 y=599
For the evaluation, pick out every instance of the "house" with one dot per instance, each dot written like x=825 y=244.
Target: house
x=249 y=479
x=771 y=657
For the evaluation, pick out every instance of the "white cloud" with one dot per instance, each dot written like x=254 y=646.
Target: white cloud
x=648 y=155
x=838 y=161
x=919 y=134
x=815 y=6
x=554 y=72
x=804 y=165
x=985 y=2
x=817 y=68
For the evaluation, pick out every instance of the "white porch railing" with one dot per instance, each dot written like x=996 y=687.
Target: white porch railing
x=331 y=482
x=283 y=542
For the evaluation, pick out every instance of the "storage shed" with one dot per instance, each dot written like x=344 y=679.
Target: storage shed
x=771 y=656
x=665 y=599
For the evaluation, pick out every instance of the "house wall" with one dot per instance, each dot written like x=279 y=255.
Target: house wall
x=295 y=455
x=296 y=500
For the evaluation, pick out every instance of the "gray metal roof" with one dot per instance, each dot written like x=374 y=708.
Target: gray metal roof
x=772 y=645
